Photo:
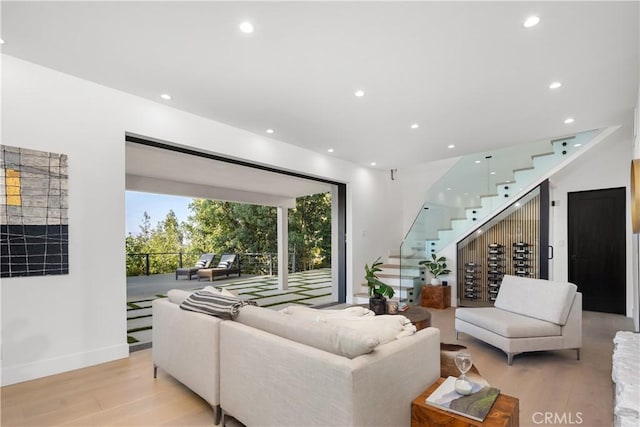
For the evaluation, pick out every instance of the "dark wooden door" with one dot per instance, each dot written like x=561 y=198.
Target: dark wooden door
x=597 y=248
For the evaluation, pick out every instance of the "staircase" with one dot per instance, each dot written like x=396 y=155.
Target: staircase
x=474 y=190
x=403 y=283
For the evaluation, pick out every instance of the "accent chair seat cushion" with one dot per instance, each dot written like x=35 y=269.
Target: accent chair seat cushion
x=507 y=324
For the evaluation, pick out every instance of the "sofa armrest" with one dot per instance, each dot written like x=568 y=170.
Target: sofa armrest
x=186 y=346
x=391 y=377
x=269 y=380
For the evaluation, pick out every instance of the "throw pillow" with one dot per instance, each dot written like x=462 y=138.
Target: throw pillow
x=177 y=296
x=214 y=304
x=223 y=264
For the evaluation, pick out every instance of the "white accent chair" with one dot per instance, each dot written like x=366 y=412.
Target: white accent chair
x=529 y=315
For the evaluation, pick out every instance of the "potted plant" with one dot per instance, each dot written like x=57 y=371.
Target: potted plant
x=437 y=267
x=378 y=291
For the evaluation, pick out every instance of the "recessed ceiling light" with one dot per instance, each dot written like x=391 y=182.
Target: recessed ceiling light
x=246 y=27
x=373 y=163
x=165 y=96
x=493 y=173
x=531 y=21
x=415 y=126
x=330 y=150
x=451 y=146
x=577 y=145
x=477 y=161
x=555 y=85
x=1 y=41
x=269 y=131
x=359 y=93
x=569 y=120
x=448 y=188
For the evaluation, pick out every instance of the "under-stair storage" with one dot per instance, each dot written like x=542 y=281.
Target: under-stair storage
x=507 y=244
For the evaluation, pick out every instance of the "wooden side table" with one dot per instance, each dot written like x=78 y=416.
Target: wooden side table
x=419 y=316
x=504 y=413
x=436 y=296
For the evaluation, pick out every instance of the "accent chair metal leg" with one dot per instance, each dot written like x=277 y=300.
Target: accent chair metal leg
x=155 y=371
x=510 y=358
x=456 y=335
x=578 y=351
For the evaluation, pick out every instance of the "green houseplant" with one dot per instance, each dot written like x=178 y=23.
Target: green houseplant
x=378 y=291
x=437 y=267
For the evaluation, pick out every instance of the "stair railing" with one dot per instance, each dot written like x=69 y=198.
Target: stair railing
x=474 y=189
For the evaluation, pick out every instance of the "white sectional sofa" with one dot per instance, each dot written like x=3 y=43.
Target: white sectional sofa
x=529 y=315
x=268 y=368
x=186 y=346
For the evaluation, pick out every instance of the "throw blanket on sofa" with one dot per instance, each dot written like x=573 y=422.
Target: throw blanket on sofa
x=214 y=304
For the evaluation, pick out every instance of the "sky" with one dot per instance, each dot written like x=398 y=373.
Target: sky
x=156 y=205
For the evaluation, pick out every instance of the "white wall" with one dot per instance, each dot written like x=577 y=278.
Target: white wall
x=415 y=183
x=606 y=165
x=636 y=247
x=57 y=323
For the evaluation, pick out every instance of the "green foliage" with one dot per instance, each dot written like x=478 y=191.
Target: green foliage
x=376 y=287
x=310 y=231
x=224 y=227
x=436 y=266
x=163 y=243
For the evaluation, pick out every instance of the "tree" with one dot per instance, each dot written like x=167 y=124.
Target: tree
x=162 y=243
x=310 y=231
x=165 y=241
x=225 y=227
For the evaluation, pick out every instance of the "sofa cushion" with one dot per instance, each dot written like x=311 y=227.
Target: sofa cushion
x=317 y=314
x=334 y=339
x=385 y=328
x=508 y=324
x=537 y=298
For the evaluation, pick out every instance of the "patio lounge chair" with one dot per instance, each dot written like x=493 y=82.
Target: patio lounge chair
x=203 y=262
x=228 y=264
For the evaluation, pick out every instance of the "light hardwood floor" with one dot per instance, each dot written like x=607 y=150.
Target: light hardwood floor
x=124 y=393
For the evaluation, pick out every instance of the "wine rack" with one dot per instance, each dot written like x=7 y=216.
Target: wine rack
x=522 y=259
x=472 y=280
x=495 y=269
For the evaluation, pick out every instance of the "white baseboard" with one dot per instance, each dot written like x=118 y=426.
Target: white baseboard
x=43 y=368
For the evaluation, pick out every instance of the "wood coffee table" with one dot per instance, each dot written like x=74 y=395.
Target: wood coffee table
x=504 y=413
x=419 y=316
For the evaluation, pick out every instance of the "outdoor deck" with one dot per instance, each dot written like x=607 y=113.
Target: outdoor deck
x=306 y=288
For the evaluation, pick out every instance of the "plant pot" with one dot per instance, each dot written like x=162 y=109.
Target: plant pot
x=435 y=282
x=378 y=304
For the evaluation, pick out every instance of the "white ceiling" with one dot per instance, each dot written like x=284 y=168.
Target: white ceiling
x=467 y=72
